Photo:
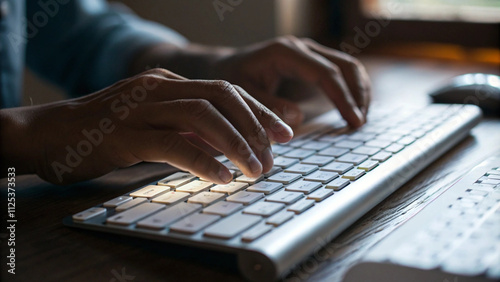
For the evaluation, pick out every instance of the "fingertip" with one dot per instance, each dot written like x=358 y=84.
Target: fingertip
x=225 y=175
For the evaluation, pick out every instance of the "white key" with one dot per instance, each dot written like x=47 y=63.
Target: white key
x=249 y=180
x=177 y=179
x=134 y=214
x=194 y=223
x=407 y=140
x=284 y=177
x=273 y=171
x=299 y=153
x=223 y=208
x=265 y=187
x=315 y=145
x=171 y=198
x=361 y=136
x=284 y=162
x=352 y=158
x=332 y=138
x=338 y=184
x=317 y=160
x=206 y=198
x=368 y=165
x=303 y=169
x=285 y=197
x=301 y=206
x=337 y=167
x=117 y=201
x=320 y=194
x=280 y=218
x=150 y=191
x=89 y=213
x=131 y=204
x=378 y=143
x=394 y=148
x=322 y=176
x=347 y=144
x=333 y=152
x=195 y=187
x=170 y=215
x=255 y=232
x=231 y=166
x=303 y=186
x=392 y=137
x=363 y=150
x=244 y=197
x=382 y=156
x=353 y=174
x=280 y=149
x=232 y=226
x=264 y=208
x=229 y=188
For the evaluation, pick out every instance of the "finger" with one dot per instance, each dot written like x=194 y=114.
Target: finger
x=202 y=118
x=170 y=147
x=353 y=71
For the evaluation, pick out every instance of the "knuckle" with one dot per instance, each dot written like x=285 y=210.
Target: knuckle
x=237 y=145
x=198 y=109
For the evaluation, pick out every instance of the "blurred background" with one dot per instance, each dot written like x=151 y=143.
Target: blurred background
x=441 y=30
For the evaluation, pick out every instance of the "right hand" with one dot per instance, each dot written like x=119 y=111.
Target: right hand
x=144 y=118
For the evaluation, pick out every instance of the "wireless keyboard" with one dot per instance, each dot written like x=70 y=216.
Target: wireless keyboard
x=454 y=238
x=323 y=180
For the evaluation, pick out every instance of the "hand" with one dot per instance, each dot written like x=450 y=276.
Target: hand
x=144 y=118
x=260 y=68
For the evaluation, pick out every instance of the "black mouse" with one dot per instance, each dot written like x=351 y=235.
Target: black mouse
x=479 y=89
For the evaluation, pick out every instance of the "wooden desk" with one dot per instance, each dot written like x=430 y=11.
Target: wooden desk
x=48 y=251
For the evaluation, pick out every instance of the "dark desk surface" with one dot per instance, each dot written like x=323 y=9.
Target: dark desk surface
x=48 y=251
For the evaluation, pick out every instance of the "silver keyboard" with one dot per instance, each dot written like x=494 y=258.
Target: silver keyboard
x=325 y=179
x=455 y=238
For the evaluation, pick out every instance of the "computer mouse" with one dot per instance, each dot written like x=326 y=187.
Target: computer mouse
x=479 y=89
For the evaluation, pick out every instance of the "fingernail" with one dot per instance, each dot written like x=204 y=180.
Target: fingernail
x=254 y=164
x=267 y=157
x=224 y=175
x=283 y=128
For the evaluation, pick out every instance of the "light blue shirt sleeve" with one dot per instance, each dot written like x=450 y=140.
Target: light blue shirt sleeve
x=85 y=45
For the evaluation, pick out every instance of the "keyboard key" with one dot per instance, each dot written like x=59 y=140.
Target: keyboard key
x=318 y=160
x=244 y=197
x=285 y=197
x=229 y=188
x=280 y=149
x=353 y=174
x=320 y=194
x=332 y=138
x=301 y=206
x=273 y=171
x=265 y=187
x=170 y=215
x=368 y=165
x=231 y=226
x=284 y=177
x=303 y=169
x=378 y=143
x=363 y=150
x=298 y=142
x=315 y=145
x=381 y=157
x=347 y=144
x=113 y=203
x=177 y=179
x=231 y=166
x=206 y=198
x=407 y=140
x=322 y=176
x=255 y=232
x=333 y=152
x=394 y=148
x=337 y=167
x=338 y=184
x=299 y=153
x=280 y=218
x=89 y=213
x=419 y=133
x=303 y=186
x=150 y=191
x=284 y=162
x=194 y=223
x=361 y=136
x=391 y=137
x=352 y=158
x=223 y=208
x=134 y=214
x=171 y=198
x=195 y=187
x=131 y=204
x=264 y=208
x=249 y=180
